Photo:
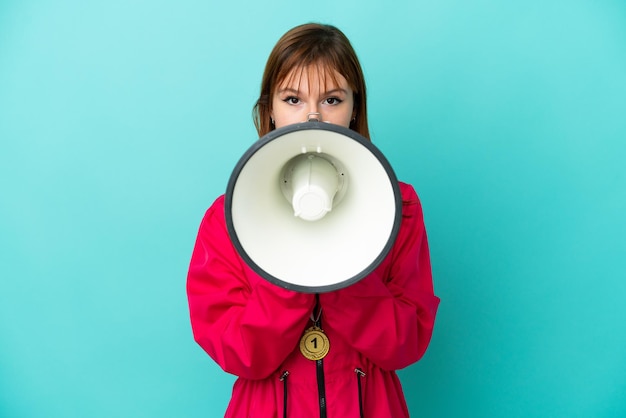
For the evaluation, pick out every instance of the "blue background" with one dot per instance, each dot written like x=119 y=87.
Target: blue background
x=120 y=122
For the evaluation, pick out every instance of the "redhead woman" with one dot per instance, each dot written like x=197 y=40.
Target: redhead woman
x=253 y=328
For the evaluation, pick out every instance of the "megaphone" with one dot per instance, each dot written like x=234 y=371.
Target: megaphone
x=313 y=207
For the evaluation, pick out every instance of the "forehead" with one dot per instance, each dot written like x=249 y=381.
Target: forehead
x=314 y=75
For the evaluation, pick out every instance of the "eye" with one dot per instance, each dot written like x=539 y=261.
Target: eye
x=333 y=101
x=293 y=100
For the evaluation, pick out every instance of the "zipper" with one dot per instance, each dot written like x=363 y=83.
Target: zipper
x=321 y=385
x=283 y=378
x=360 y=374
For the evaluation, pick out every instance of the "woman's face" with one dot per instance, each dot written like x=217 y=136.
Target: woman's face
x=307 y=91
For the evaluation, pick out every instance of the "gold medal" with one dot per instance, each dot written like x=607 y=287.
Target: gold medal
x=314 y=344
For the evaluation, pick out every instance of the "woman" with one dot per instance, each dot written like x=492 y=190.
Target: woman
x=253 y=328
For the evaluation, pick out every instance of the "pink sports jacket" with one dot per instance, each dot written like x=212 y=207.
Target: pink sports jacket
x=252 y=328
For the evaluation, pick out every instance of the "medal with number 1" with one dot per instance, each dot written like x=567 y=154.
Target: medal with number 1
x=314 y=344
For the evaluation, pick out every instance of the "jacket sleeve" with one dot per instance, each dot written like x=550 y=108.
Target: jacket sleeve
x=246 y=324
x=389 y=315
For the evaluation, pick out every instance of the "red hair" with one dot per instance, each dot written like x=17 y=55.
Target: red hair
x=312 y=44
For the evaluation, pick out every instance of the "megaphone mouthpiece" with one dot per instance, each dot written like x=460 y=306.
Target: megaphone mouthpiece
x=313 y=117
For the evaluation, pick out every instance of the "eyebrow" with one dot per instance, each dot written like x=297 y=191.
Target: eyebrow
x=333 y=91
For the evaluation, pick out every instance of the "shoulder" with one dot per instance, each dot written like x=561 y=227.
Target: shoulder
x=411 y=205
x=217 y=205
x=214 y=215
x=408 y=192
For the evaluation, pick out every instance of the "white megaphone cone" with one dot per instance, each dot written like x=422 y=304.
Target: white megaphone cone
x=313 y=207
